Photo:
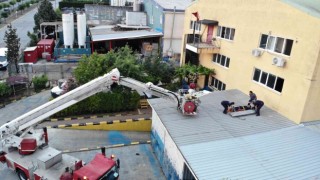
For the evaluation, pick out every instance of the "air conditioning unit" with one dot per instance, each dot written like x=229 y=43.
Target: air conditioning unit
x=278 y=61
x=256 y=52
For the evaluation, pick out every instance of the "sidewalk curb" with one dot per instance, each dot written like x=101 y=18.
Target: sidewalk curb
x=107 y=147
x=97 y=123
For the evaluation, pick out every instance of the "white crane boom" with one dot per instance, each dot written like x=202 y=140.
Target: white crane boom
x=103 y=83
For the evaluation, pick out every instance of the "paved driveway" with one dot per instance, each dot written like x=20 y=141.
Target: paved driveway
x=15 y=109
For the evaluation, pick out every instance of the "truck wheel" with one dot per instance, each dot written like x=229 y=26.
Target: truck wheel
x=21 y=175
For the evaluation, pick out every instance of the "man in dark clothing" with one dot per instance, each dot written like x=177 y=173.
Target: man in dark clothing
x=258 y=104
x=226 y=105
x=253 y=96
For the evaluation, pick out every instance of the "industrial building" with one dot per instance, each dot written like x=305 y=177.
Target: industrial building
x=213 y=145
x=270 y=47
x=167 y=17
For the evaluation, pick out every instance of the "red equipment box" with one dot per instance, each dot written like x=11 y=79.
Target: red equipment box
x=45 y=45
x=31 y=54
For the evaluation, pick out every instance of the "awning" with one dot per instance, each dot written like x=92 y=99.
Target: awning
x=126 y=35
x=209 y=22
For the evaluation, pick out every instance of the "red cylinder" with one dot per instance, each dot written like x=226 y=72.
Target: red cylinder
x=189 y=107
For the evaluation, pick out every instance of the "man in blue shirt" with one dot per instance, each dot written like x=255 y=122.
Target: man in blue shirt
x=253 y=96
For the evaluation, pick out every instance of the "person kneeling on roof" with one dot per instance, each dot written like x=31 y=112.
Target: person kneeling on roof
x=226 y=105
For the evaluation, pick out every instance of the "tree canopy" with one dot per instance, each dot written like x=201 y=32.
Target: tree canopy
x=45 y=14
x=13 y=44
x=98 y=64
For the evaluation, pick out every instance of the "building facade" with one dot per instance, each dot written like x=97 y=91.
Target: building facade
x=167 y=17
x=270 y=47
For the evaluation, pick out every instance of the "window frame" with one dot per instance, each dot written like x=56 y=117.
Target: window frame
x=266 y=81
x=216 y=84
x=226 y=33
x=218 y=59
x=273 y=42
x=196 y=25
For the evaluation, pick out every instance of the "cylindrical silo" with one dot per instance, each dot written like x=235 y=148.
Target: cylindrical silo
x=82 y=29
x=136 y=6
x=68 y=29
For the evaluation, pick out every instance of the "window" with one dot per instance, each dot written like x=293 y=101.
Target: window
x=269 y=80
x=263 y=41
x=221 y=59
x=225 y=32
x=195 y=25
x=276 y=44
x=217 y=84
x=161 y=19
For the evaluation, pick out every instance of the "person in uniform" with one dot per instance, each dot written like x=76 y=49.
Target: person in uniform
x=226 y=105
x=258 y=104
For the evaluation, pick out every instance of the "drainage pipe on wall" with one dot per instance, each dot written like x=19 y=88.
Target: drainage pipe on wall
x=170 y=51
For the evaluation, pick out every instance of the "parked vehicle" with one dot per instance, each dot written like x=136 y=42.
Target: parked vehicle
x=3 y=58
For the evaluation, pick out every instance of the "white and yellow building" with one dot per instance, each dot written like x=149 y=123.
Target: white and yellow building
x=271 y=47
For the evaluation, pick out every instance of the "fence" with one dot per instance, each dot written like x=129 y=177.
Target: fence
x=53 y=71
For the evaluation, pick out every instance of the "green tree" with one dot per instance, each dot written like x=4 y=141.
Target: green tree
x=13 y=2
x=33 y=39
x=4 y=14
x=6 y=5
x=96 y=65
x=13 y=44
x=39 y=82
x=45 y=14
x=191 y=72
x=128 y=64
x=21 y=7
x=158 y=70
x=4 y=89
x=59 y=14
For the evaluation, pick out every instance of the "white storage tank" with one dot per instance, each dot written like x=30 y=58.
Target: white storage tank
x=68 y=29
x=136 y=6
x=82 y=29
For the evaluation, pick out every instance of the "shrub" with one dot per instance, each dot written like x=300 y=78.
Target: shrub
x=40 y=82
x=103 y=103
x=4 y=89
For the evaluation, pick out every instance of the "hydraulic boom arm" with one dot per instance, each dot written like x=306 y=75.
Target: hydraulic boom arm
x=99 y=84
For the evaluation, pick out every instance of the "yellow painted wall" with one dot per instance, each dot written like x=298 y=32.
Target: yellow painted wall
x=117 y=126
x=251 y=18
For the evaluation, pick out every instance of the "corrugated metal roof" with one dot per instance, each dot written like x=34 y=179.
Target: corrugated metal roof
x=311 y=7
x=218 y=146
x=125 y=35
x=170 y=4
x=289 y=153
x=211 y=124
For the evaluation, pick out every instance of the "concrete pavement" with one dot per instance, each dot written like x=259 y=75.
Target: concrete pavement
x=15 y=109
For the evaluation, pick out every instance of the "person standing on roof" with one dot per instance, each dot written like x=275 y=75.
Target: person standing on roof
x=258 y=104
x=253 y=96
x=226 y=105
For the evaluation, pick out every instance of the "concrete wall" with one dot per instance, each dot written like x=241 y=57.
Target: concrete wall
x=251 y=18
x=166 y=150
x=163 y=22
x=173 y=30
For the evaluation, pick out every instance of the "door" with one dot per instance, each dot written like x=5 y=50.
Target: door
x=209 y=34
